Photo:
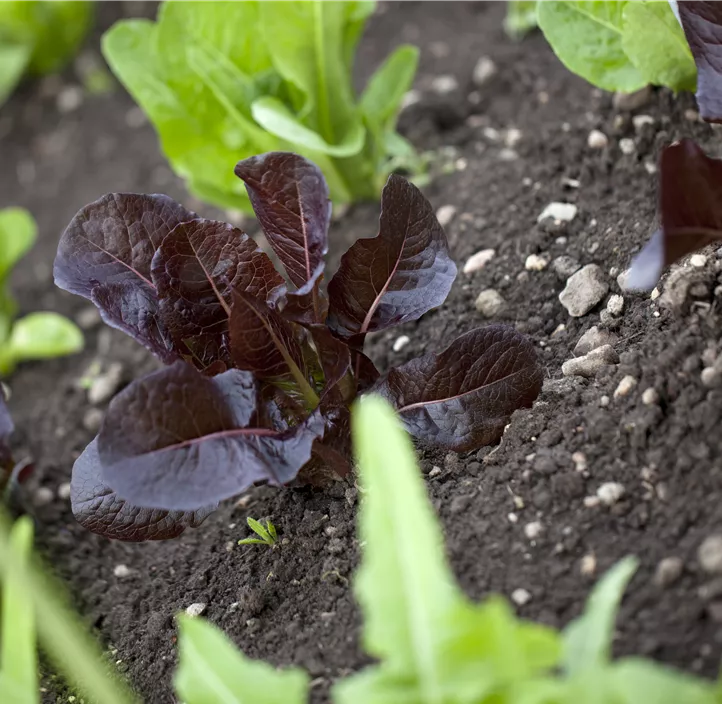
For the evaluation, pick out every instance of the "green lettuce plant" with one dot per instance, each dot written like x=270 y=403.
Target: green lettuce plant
x=223 y=81
x=38 y=37
x=37 y=335
x=620 y=45
x=432 y=644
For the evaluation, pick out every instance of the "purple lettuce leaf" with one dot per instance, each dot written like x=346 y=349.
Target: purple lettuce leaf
x=331 y=454
x=133 y=308
x=179 y=441
x=461 y=398
x=335 y=359
x=702 y=25
x=195 y=271
x=397 y=276
x=290 y=198
x=105 y=256
x=307 y=306
x=690 y=207
x=99 y=509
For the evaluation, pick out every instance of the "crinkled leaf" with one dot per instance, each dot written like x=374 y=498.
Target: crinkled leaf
x=114 y=239
x=179 y=440
x=588 y=639
x=133 y=308
x=264 y=343
x=587 y=38
x=195 y=271
x=397 y=276
x=463 y=397
x=690 y=206
x=307 y=306
x=213 y=671
x=702 y=24
x=99 y=509
x=290 y=198
x=655 y=43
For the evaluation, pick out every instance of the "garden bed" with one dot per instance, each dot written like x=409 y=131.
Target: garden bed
x=522 y=518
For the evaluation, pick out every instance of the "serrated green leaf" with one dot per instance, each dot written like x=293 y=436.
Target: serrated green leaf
x=655 y=43
x=587 y=38
x=588 y=639
x=18 y=649
x=213 y=671
x=520 y=18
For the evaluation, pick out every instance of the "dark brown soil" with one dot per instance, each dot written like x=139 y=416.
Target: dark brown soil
x=295 y=604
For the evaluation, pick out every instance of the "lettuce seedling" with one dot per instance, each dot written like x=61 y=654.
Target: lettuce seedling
x=38 y=335
x=242 y=78
x=690 y=211
x=266 y=534
x=38 y=37
x=621 y=45
x=260 y=372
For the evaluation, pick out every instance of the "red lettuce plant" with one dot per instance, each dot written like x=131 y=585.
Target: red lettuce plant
x=260 y=373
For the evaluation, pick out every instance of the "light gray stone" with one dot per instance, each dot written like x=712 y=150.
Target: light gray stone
x=490 y=303
x=590 y=364
x=584 y=290
x=592 y=339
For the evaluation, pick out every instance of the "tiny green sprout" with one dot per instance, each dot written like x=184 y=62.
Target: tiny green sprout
x=266 y=536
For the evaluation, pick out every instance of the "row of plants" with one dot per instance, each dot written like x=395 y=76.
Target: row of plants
x=430 y=643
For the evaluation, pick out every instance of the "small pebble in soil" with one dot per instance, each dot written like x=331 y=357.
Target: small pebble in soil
x=410 y=98
x=597 y=140
x=445 y=214
x=535 y=263
x=196 y=609
x=698 y=260
x=580 y=461
x=484 y=69
x=512 y=137
x=512 y=517
x=591 y=501
x=69 y=99
x=478 y=261
x=628 y=102
x=401 y=342
x=92 y=419
x=571 y=182
x=615 y=305
x=565 y=266
x=604 y=401
x=691 y=115
x=711 y=377
x=588 y=565
x=106 y=384
x=489 y=303
x=533 y=530
x=64 y=491
x=590 y=364
x=135 y=117
x=655 y=294
x=641 y=121
x=121 y=571
x=625 y=386
x=610 y=492
x=507 y=154
x=491 y=133
x=435 y=471
x=709 y=554
x=443 y=85
x=592 y=339
x=562 y=212
x=627 y=146
x=650 y=396
x=584 y=290
x=650 y=167
x=43 y=496
x=668 y=571
x=520 y=597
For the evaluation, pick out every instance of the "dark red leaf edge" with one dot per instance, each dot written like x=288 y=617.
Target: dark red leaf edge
x=291 y=200
x=195 y=270
x=463 y=397
x=702 y=25
x=7 y=464
x=99 y=509
x=397 y=276
x=690 y=208
x=178 y=440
